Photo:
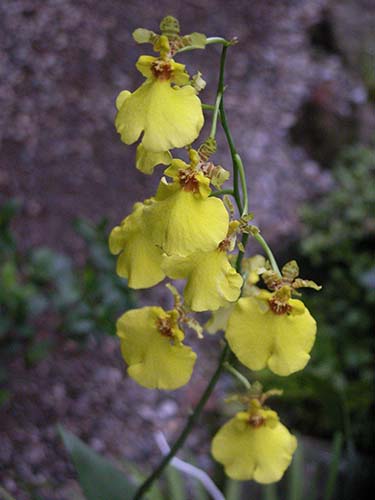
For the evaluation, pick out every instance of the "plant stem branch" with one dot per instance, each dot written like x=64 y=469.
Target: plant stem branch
x=222 y=192
x=188 y=427
x=233 y=153
x=241 y=254
x=231 y=369
x=268 y=251
x=218 y=39
x=219 y=96
x=208 y=107
x=242 y=176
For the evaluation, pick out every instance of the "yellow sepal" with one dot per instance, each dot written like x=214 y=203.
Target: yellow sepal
x=139 y=260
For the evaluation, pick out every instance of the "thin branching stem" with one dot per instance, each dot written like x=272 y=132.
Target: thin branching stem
x=268 y=251
x=231 y=369
x=215 y=115
x=222 y=192
x=233 y=152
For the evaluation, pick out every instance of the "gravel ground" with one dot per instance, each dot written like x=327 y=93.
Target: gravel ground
x=62 y=64
x=87 y=392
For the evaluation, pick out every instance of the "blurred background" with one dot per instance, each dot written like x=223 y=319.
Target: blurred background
x=300 y=100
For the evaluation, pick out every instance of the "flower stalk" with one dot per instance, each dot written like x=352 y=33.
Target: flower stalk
x=237 y=166
x=187 y=232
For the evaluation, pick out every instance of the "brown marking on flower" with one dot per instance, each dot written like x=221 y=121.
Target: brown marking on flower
x=164 y=326
x=278 y=307
x=256 y=421
x=162 y=70
x=224 y=246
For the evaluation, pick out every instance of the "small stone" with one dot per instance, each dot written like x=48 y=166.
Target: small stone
x=167 y=409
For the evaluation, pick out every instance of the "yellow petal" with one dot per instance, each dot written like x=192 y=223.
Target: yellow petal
x=181 y=222
x=260 y=338
x=262 y=454
x=211 y=281
x=139 y=260
x=179 y=74
x=155 y=361
x=146 y=161
x=169 y=117
x=121 y=98
x=175 y=167
x=144 y=64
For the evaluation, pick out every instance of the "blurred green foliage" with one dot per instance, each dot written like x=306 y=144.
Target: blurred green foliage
x=337 y=251
x=44 y=292
x=302 y=481
x=335 y=392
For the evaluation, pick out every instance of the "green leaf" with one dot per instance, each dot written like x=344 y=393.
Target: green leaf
x=295 y=475
x=99 y=479
x=270 y=492
x=4 y=396
x=38 y=351
x=334 y=467
x=233 y=489
x=176 y=485
x=5 y=495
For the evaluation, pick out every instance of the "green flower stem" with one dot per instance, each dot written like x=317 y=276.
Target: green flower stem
x=268 y=251
x=231 y=369
x=222 y=192
x=209 y=41
x=241 y=254
x=188 y=427
x=219 y=92
x=236 y=159
x=219 y=96
x=233 y=153
x=218 y=39
x=242 y=175
x=208 y=107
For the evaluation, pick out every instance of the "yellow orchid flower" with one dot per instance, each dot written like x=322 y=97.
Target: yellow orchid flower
x=151 y=344
x=139 y=260
x=169 y=116
x=262 y=332
x=183 y=218
x=254 y=445
x=211 y=281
